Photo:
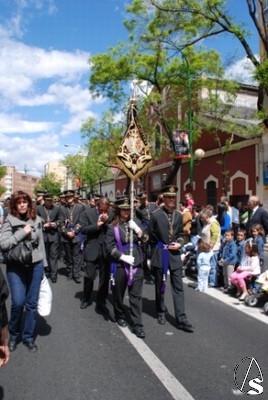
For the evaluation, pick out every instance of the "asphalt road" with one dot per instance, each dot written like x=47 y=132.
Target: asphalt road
x=82 y=356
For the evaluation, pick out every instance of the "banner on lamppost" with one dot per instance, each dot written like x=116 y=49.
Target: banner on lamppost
x=134 y=153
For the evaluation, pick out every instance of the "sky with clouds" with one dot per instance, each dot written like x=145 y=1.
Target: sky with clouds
x=45 y=46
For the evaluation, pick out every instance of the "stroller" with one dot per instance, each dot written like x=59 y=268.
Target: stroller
x=188 y=256
x=259 y=293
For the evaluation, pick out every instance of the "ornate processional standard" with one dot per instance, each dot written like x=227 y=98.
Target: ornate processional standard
x=134 y=157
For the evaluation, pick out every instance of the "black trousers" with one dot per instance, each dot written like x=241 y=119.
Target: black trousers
x=52 y=253
x=177 y=293
x=135 y=296
x=91 y=269
x=73 y=258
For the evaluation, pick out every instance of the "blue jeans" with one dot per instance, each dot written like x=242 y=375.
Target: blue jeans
x=24 y=284
x=213 y=275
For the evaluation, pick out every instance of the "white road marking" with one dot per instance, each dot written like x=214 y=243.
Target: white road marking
x=174 y=387
x=171 y=383
x=254 y=312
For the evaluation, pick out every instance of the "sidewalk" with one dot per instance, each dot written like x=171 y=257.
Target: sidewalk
x=217 y=293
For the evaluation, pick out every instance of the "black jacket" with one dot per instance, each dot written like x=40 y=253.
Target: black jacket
x=111 y=246
x=49 y=215
x=73 y=216
x=159 y=231
x=93 y=235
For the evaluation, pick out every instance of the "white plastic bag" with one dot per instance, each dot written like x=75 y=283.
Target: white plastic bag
x=45 y=298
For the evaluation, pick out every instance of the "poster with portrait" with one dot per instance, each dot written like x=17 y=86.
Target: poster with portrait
x=181 y=144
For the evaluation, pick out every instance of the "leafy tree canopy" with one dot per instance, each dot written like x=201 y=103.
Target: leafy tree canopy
x=50 y=183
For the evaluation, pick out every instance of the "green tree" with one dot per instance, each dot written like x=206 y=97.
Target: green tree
x=159 y=70
x=50 y=183
x=2 y=174
x=202 y=19
x=102 y=138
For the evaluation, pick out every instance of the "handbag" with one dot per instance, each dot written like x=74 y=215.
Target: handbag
x=21 y=254
x=45 y=298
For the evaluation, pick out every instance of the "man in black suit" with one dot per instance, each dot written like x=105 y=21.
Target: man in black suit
x=94 y=227
x=256 y=215
x=72 y=238
x=50 y=215
x=165 y=230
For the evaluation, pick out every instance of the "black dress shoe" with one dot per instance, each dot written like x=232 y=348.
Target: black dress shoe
x=12 y=345
x=77 y=280
x=139 y=332
x=54 y=279
x=161 y=319
x=121 y=322
x=101 y=309
x=84 y=304
x=31 y=346
x=185 y=326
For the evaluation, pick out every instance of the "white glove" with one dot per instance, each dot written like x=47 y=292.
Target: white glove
x=127 y=259
x=132 y=224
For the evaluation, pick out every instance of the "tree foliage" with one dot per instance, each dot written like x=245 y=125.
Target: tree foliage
x=2 y=174
x=155 y=62
x=50 y=183
x=207 y=18
x=163 y=54
x=95 y=162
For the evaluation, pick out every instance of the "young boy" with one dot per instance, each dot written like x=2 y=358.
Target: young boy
x=229 y=259
x=240 y=245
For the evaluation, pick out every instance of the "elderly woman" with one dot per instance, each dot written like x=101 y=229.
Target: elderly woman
x=22 y=224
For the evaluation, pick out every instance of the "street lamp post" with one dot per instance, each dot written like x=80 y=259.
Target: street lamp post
x=190 y=115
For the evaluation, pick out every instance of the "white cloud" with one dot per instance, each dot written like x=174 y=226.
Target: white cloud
x=22 y=67
x=241 y=71
x=30 y=153
x=13 y=123
x=49 y=83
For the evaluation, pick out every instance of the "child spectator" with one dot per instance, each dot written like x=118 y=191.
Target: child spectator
x=229 y=258
x=249 y=267
x=258 y=235
x=189 y=200
x=203 y=265
x=240 y=245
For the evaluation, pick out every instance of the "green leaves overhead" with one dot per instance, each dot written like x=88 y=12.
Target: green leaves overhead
x=50 y=183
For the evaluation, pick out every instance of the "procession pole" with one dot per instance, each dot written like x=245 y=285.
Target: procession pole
x=134 y=158
x=131 y=230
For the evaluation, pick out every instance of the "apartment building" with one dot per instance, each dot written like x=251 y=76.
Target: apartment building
x=14 y=180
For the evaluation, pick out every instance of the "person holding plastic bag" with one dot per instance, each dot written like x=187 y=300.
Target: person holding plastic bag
x=23 y=224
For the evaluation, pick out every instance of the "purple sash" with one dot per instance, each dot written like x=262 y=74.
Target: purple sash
x=164 y=248
x=126 y=266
